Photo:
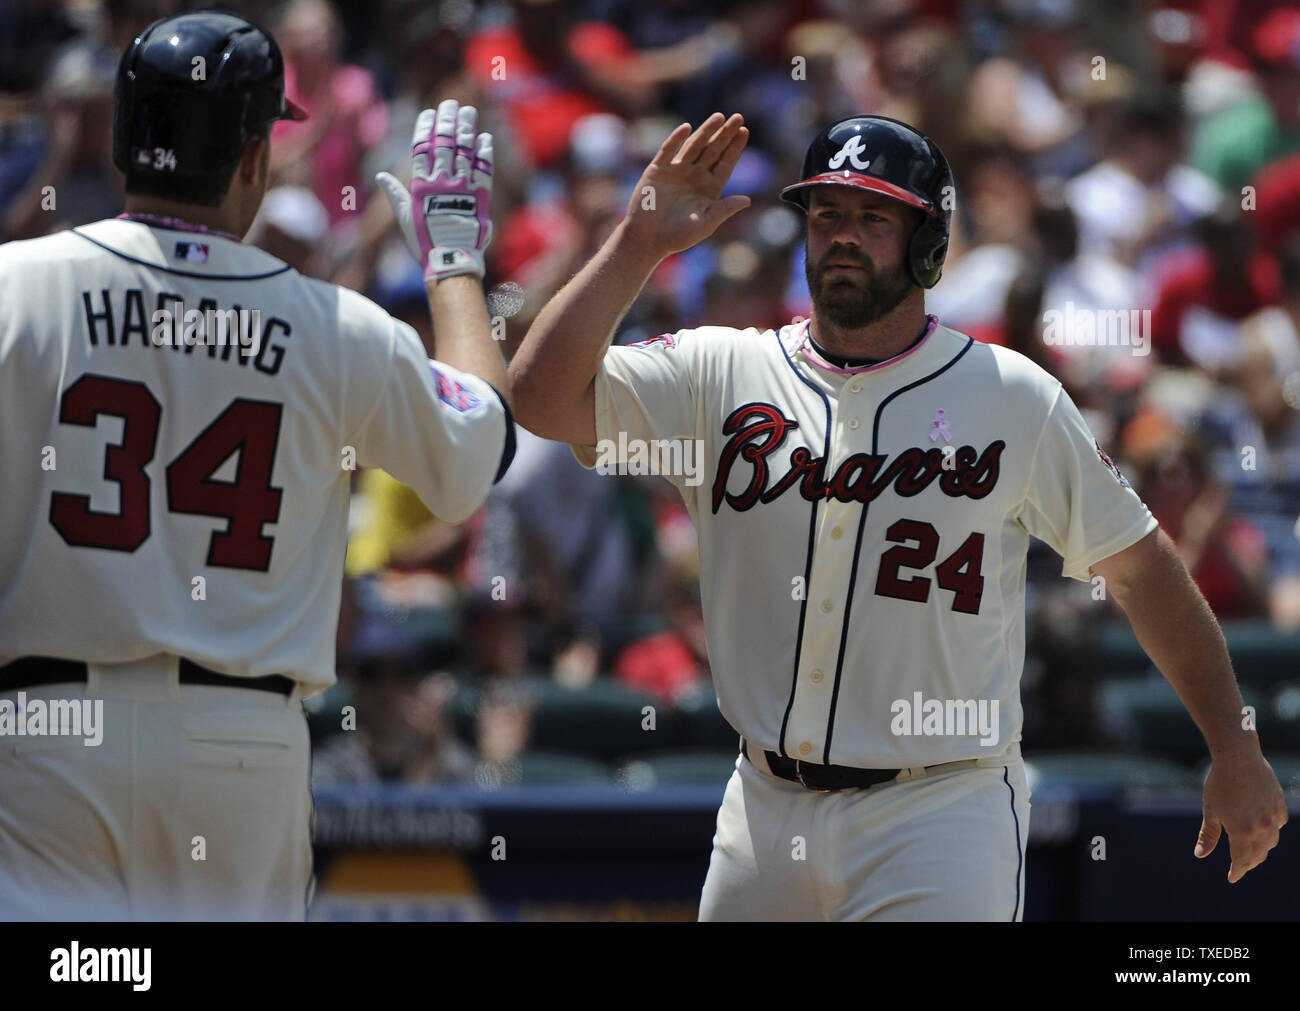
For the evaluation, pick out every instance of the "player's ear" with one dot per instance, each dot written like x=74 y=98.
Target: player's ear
x=255 y=163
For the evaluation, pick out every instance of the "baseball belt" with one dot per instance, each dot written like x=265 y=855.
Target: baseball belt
x=32 y=671
x=827 y=778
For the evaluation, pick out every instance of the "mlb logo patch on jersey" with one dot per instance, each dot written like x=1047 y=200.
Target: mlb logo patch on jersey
x=1111 y=464
x=664 y=339
x=452 y=394
x=191 y=252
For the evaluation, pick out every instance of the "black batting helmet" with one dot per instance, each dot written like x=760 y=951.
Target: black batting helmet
x=887 y=156
x=192 y=91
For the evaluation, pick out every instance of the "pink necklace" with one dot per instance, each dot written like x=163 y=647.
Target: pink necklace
x=176 y=223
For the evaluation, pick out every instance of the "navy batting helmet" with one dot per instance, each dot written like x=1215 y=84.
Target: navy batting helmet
x=889 y=157
x=192 y=91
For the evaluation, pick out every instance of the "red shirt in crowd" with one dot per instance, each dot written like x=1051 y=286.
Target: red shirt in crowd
x=662 y=665
x=1277 y=203
x=1190 y=282
x=1218 y=580
x=542 y=101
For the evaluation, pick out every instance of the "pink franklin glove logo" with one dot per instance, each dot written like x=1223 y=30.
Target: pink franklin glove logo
x=446 y=216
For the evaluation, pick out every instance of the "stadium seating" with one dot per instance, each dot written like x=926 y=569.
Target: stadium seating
x=535 y=768
x=1261 y=655
x=603 y=720
x=703 y=726
x=678 y=768
x=1280 y=730
x=1126 y=772
x=1148 y=717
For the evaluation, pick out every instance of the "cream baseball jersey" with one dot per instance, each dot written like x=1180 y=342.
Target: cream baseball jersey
x=863 y=532
x=166 y=493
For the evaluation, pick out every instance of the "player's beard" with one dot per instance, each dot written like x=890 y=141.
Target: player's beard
x=850 y=301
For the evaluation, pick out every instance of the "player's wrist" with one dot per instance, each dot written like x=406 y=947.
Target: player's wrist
x=634 y=248
x=1234 y=746
x=471 y=284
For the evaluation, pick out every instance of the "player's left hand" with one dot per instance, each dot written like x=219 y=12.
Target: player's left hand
x=1243 y=797
x=678 y=201
x=446 y=217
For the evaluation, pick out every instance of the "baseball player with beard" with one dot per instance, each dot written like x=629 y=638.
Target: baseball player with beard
x=872 y=482
x=176 y=497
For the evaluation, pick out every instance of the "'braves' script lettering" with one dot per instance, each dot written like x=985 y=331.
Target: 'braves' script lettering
x=757 y=430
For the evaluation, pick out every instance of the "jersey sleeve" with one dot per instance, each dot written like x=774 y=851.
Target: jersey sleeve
x=1077 y=501
x=644 y=392
x=445 y=433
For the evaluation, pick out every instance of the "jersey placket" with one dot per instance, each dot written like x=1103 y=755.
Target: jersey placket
x=830 y=576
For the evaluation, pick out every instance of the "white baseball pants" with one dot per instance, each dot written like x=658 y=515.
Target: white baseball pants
x=195 y=806
x=946 y=846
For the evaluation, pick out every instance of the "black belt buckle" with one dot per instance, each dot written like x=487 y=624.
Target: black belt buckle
x=798 y=771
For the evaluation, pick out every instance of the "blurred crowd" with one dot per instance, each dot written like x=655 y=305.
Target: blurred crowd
x=1118 y=157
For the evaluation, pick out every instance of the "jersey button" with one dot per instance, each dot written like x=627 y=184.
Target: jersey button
x=828 y=605
x=817 y=676
x=804 y=748
x=837 y=533
x=853 y=423
x=855 y=388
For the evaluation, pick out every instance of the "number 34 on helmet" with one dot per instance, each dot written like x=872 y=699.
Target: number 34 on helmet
x=192 y=91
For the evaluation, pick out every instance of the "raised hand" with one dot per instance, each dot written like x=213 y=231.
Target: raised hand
x=677 y=202
x=446 y=216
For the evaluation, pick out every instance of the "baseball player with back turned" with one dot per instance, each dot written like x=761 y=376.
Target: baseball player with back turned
x=872 y=481
x=175 y=506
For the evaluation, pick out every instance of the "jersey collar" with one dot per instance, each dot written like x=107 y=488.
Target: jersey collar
x=177 y=225
x=180 y=248
x=810 y=352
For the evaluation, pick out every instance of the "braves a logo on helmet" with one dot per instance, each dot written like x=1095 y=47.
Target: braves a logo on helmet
x=453 y=394
x=851 y=149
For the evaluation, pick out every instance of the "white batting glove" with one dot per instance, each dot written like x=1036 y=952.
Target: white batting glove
x=446 y=217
